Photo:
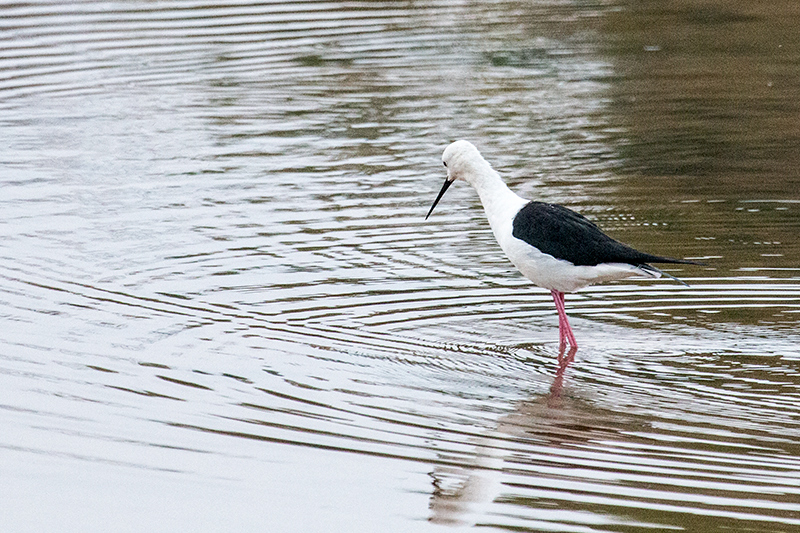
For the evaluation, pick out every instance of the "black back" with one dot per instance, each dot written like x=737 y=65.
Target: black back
x=565 y=234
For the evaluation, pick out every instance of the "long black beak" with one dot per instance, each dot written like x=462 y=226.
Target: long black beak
x=447 y=184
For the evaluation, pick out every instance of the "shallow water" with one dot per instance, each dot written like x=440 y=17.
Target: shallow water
x=223 y=309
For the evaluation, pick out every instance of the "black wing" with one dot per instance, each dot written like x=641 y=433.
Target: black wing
x=565 y=234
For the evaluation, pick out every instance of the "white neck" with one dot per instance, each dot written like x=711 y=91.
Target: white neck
x=498 y=200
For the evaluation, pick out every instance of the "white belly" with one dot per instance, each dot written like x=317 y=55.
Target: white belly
x=542 y=269
x=554 y=274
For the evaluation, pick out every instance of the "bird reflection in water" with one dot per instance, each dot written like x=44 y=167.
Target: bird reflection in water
x=464 y=488
x=565 y=358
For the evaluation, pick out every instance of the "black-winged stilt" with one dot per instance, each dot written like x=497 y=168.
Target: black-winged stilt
x=554 y=247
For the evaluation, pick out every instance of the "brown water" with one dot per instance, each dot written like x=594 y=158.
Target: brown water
x=222 y=309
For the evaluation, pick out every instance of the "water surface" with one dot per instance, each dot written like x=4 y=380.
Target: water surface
x=222 y=307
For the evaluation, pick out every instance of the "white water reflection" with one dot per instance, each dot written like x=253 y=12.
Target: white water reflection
x=222 y=305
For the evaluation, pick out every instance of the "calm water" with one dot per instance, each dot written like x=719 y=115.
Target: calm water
x=222 y=309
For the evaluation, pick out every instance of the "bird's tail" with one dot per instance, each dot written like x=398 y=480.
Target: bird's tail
x=655 y=272
x=647 y=258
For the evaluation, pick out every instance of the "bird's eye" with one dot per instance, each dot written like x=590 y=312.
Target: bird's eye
x=445 y=163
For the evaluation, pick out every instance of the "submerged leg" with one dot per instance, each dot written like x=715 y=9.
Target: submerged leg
x=565 y=357
x=565 y=334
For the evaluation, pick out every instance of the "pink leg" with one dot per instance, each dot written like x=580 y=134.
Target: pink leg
x=565 y=335
x=562 y=337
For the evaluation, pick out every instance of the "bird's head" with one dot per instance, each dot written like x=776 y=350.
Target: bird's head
x=460 y=158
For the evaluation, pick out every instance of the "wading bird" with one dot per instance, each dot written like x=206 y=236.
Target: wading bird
x=554 y=247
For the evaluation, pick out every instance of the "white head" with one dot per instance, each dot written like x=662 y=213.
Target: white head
x=463 y=161
x=459 y=158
